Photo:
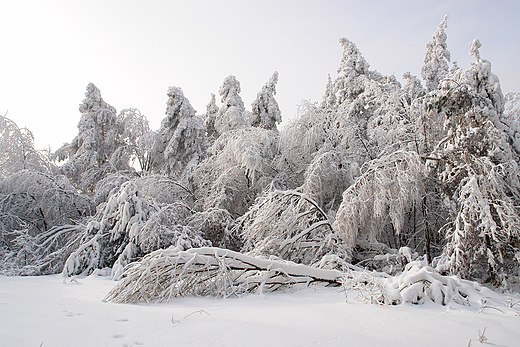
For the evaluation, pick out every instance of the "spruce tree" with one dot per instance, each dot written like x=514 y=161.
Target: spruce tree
x=436 y=58
x=266 y=112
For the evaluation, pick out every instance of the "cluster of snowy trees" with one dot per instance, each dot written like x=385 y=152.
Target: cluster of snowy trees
x=377 y=174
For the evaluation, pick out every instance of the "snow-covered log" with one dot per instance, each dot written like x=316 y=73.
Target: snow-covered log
x=166 y=274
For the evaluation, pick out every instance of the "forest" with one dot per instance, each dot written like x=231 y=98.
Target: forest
x=398 y=190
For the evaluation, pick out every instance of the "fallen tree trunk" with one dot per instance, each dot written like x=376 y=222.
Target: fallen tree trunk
x=165 y=274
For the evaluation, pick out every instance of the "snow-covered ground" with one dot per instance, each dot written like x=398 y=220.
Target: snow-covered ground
x=43 y=311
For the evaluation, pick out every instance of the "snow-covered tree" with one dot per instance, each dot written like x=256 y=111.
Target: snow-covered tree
x=329 y=98
x=266 y=112
x=289 y=225
x=127 y=227
x=483 y=239
x=17 y=150
x=210 y=116
x=376 y=174
x=352 y=73
x=179 y=143
x=313 y=133
x=436 y=58
x=367 y=118
x=88 y=157
x=238 y=168
x=392 y=125
x=327 y=177
x=136 y=139
x=208 y=271
x=483 y=81
x=479 y=172
x=32 y=205
x=413 y=88
x=232 y=113
x=511 y=117
x=386 y=192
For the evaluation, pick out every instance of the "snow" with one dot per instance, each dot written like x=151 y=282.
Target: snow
x=44 y=311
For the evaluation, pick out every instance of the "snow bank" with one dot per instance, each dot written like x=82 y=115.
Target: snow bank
x=42 y=311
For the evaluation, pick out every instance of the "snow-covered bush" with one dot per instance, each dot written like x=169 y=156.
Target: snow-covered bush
x=217 y=226
x=43 y=254
x=37 y=201
x=416 y=283
x=36 y=210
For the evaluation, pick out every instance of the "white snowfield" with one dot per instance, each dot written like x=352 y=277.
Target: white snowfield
x=43 y=311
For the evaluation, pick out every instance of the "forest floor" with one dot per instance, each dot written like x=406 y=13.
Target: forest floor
x=43 y=311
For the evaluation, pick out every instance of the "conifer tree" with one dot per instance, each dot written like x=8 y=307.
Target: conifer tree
x=352 y=73
x=329 y=99
x=436 y=57
x=87 y=157
x=210 y=116
x=266 y=112
x=232 y=113
x=179 y=142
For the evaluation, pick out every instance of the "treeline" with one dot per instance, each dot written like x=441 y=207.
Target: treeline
x=428 y=167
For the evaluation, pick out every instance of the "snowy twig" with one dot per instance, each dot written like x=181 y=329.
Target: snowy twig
x=480 y=309
x=199 y=311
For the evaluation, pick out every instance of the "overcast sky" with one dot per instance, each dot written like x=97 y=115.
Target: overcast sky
x=133 y=50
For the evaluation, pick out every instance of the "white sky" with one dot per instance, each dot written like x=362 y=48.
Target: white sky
x=133 y=50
